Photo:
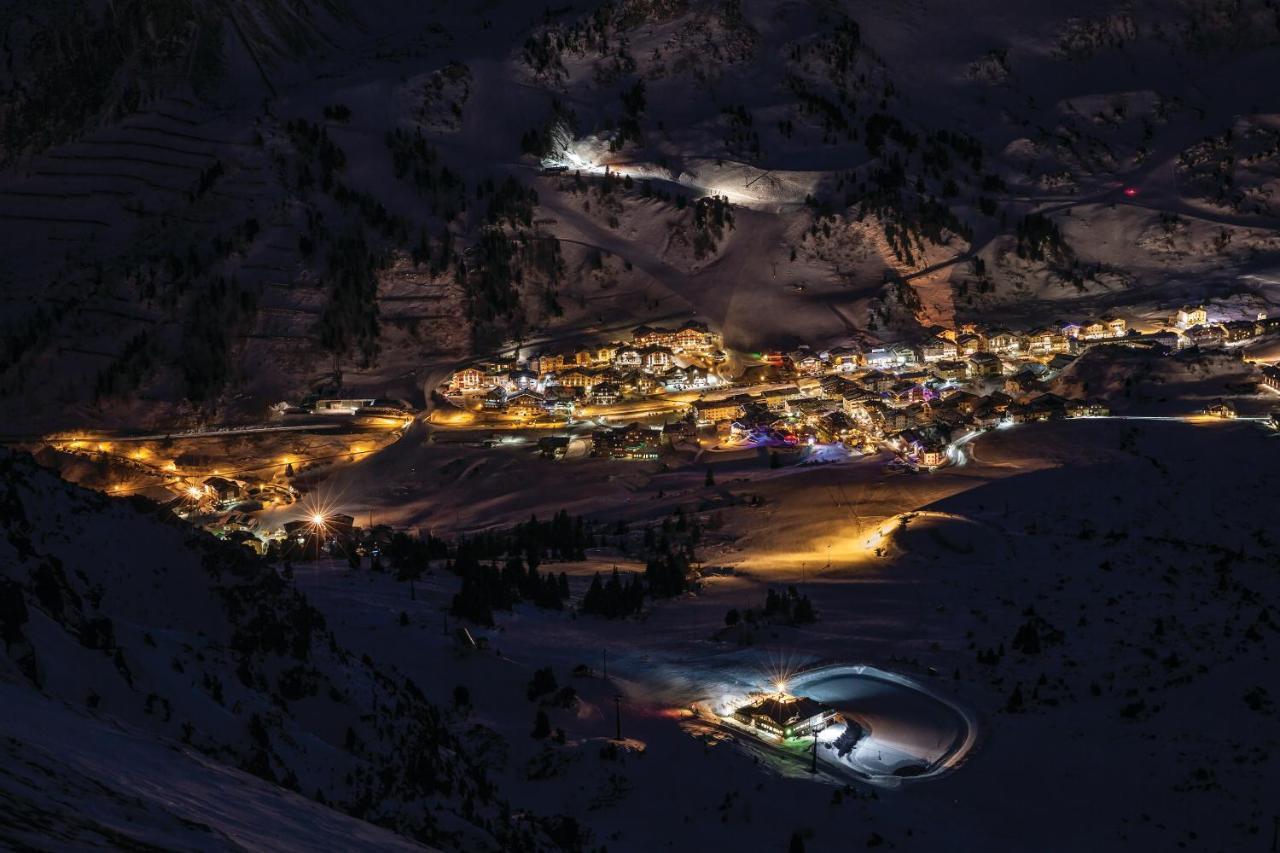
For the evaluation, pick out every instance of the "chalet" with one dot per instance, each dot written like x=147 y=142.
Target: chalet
x=469 y=380
x=784 y=716
x=1221 y=409
x=856 y=403
x=554 y=446
x=1207 y=336
x=655 y=358
x=1116 y=326
x=576 y=378
x=1046 y=407
x=526 y=405
x=927 y=444
x=605 y=353
x=499 y=365
x=1046 y=341
x=809 y=386
x=933 y=455
x=627 y=357
x=496 y=399
x=605 y=393
x=1168 y=340
x=1060 y=361
x=560 y=400
x=519 y=380
x=837 y=426
x=222 y=489
x=679 y=431
x=1189 y=316
x=1020 y=383
x=948 y=369
x=699 y=377
x=1271 y=377
x=1240 y=330
x=674 y=379
x=984 y=364
x=878 y=381
x=1094 y=330
x=1094 y=408
x=715 y=411
x=834 y=386
x=694 y=336
x=962 y=401
x=643 y=383
x=999 y=400
x=644 y=336
x=776 y=398
x=904 y=355
x=634 y=441
x=905 y=393
x=844 y=358
x=584 y=356
x=880 y=358
x=807 y=361
x=985 y=415
x=548 y=362
x=937 y=350
x=1005 y=342
x=968 y=344
x=1071 y=330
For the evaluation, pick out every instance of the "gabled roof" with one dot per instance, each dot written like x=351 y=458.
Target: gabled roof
x=784 y=712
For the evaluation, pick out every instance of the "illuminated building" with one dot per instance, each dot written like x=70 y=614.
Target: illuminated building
x=785 y=716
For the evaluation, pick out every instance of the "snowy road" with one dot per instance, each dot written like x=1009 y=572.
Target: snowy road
x=912 y=730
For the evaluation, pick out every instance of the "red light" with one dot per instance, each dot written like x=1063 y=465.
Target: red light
x=1131 y=191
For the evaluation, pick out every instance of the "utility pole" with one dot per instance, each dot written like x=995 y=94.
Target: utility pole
x=814 y=768
x=617 y=716
x=604 y=654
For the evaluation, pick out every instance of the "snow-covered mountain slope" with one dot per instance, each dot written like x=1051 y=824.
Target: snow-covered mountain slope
x=136 y=634
x=296 y=197
x=69 y=779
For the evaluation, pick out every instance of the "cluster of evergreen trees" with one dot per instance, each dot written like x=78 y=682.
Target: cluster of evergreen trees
x=417 y=161
x=314 y=146
x=349 y=320
x=788 y=607
x=710 y=216
x=409 y=555
x=486 y=588
x=564 y=537
x=1039 y=238
x=668 y=549
x=523 y=548
x=614 y=598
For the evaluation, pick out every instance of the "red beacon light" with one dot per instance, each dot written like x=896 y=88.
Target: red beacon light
x=1130 y=192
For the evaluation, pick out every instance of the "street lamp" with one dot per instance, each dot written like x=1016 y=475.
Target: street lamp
x=318 y=525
